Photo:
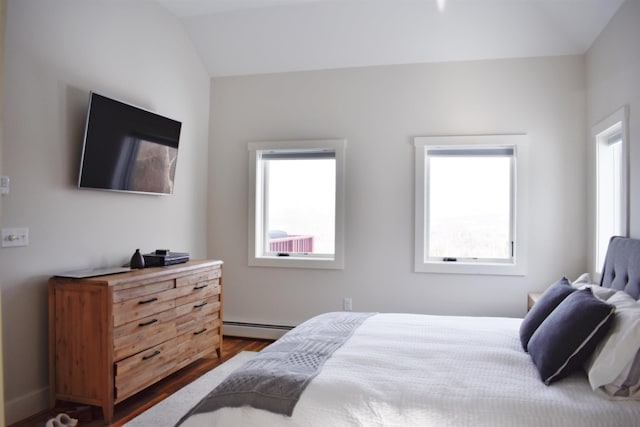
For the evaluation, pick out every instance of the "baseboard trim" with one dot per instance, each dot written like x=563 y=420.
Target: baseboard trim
x=254 y=330
x=25 y=406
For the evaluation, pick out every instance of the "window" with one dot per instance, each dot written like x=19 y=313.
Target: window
x=296 y=216
x=468 y=212
x=611 y=182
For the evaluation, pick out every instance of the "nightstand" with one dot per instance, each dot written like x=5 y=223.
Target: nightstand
x=532 y=298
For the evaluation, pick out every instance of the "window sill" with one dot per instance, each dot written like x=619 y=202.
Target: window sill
x=297 y=262
x=497 y=269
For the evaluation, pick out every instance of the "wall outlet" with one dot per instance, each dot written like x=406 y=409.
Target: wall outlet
x=347 y=304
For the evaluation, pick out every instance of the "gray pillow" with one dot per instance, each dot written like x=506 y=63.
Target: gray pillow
x=568 y=336
x=547 y=302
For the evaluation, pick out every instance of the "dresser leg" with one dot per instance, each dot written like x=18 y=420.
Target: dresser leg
x=107 y=411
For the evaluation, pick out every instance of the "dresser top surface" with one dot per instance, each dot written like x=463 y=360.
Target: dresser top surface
x=141 y=274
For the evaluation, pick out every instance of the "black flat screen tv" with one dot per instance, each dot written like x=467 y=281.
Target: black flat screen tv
x=127 y=148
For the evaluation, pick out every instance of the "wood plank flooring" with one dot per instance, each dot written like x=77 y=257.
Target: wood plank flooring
x=130 y=408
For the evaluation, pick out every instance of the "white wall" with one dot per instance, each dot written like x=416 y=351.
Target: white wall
x=56 y=52
x=3 y=14
x=3 y=11
x=379 y=110
x=613 y=81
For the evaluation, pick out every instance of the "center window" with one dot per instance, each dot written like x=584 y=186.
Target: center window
x=469 y=204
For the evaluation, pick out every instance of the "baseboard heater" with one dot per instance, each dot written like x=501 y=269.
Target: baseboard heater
x=254 y=330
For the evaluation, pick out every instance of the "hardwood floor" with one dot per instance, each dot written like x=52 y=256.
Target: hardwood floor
x=130 y=408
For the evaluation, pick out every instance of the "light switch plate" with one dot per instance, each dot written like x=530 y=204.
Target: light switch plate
x=4 y=184
x=14 y=237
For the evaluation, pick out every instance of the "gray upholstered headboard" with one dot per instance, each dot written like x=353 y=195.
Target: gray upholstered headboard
x=622 y=266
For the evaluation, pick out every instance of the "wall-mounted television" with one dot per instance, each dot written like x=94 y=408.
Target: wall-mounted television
x=127 y=148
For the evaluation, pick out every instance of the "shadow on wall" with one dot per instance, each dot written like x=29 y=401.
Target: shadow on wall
x=77 y=103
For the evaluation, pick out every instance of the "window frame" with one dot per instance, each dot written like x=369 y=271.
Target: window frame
x=514 y=266
x=602 y=132
x=256 y=255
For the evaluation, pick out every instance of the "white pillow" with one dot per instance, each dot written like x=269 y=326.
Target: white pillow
x=614 y=367
x=603 y=294
x=583 y=279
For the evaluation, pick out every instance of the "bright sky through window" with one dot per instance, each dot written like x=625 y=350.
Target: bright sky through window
x=469 y=207
x=301 y=200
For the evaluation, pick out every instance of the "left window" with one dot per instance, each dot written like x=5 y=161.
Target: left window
x=296 y=203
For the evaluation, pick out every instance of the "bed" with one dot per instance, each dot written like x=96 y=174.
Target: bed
x=392 y=369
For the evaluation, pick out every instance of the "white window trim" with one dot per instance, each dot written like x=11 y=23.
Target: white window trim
x=598 y=132
x=337 y=262
x=518 y=266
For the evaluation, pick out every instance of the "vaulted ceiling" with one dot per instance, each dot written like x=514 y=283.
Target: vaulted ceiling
x=238 y=37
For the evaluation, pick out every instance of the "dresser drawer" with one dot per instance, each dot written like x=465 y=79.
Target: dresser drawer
x=204 y=290
x=142 y=369
x=207 y=338
x=192 y=317
x=143 y=306
x=198 y=277
x=193 y=345
x=140 y=291
x=139 y=335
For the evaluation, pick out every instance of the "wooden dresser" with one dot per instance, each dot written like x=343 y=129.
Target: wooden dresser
x=112 y=336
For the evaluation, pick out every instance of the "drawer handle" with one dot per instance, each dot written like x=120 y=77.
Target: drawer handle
x=149 y=356
x=200 y=287
x=202 y=304
x=150 y=322
x=200 y=332
x=148 y=300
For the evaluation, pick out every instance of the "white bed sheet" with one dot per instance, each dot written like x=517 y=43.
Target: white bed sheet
x=417 y=370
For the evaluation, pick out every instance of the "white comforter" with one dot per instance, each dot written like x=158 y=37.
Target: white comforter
x=415 y=370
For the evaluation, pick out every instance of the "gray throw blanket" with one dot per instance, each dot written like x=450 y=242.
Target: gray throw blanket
x=277 y=376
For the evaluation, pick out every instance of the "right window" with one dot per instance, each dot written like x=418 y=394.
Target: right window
x=610 y=138
x=468 y=204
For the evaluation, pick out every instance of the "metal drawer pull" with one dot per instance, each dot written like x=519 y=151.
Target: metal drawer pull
x=202 y=304
x=200 y=287
x=154 y=354
x=148 y=300
x=200 y=332
x=150 y=322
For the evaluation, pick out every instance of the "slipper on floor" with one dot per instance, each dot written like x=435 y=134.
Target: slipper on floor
x=66 y=421
x=61 y=420
x=53 y=422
